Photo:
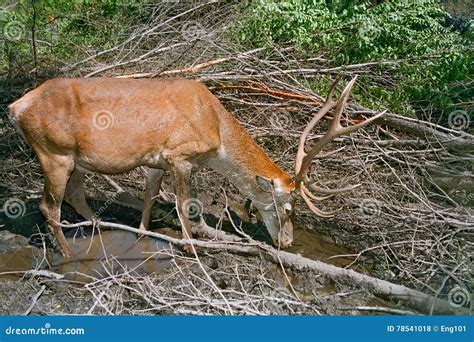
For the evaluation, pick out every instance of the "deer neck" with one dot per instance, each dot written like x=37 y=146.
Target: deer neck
x=241 y=160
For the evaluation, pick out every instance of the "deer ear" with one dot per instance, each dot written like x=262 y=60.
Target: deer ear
x=264 y=184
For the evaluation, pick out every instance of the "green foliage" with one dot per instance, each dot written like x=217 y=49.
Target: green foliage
x=435 y=61
x=64 y=30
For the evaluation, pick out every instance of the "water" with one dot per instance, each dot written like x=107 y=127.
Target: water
x=114 y=251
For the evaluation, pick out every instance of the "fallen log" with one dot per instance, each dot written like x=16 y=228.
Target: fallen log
x=414 y=299
x=461 y=142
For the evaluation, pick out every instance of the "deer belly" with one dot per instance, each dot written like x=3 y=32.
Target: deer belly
x=104 y=166
x=110 y=164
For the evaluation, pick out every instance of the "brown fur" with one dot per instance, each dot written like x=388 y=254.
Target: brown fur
x=169 y=124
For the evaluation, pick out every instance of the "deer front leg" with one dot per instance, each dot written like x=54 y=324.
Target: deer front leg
x=181 y=173
x=76 y=197
x=56 y=170
x=153 y=185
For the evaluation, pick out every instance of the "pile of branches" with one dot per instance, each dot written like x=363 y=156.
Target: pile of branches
x=223 y=284
x=213 y=283
x=412 y=225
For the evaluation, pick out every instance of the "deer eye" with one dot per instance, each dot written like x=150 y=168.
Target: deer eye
x=288 y=208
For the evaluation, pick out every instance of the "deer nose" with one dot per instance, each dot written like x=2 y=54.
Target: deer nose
x=285 y=238
x=283 y=243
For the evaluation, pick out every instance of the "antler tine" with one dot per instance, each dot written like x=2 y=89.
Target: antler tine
x=322 y=190
x=314 y=197
x=330 y=135
x=325 y=155
x=336 y=127
x=312 y=207
x=332 y=89
x=350 y=129
x=341 y=104
x=303 y=160
x=328 y=105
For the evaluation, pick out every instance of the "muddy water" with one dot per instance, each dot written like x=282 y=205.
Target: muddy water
x=111 y=252
x=98 y=256
x=307 y=242
x=94 y=257
x=114 y=251
x=314 y=245
x=17 y=255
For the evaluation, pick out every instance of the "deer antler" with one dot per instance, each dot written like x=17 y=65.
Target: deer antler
x=304 y=159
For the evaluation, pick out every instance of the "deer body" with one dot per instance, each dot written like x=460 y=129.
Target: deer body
x=112 y=126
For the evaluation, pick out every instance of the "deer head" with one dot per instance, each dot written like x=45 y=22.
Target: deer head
x=277 y=209
x=274 y=196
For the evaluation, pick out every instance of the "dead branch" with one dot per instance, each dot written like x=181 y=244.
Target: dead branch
x=190 y=70
x=34 y=300
x=412 y=298
x=461 y=142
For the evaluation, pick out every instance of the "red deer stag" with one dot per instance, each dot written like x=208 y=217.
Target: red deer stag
x=112 y=126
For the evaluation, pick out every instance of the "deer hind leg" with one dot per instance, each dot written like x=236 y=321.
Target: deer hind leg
x=56 y=172
x=153 y=185
x=181 y=173
x=75 y=195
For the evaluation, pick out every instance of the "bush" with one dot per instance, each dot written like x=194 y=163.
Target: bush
x=434 y=60
x=64 y=30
